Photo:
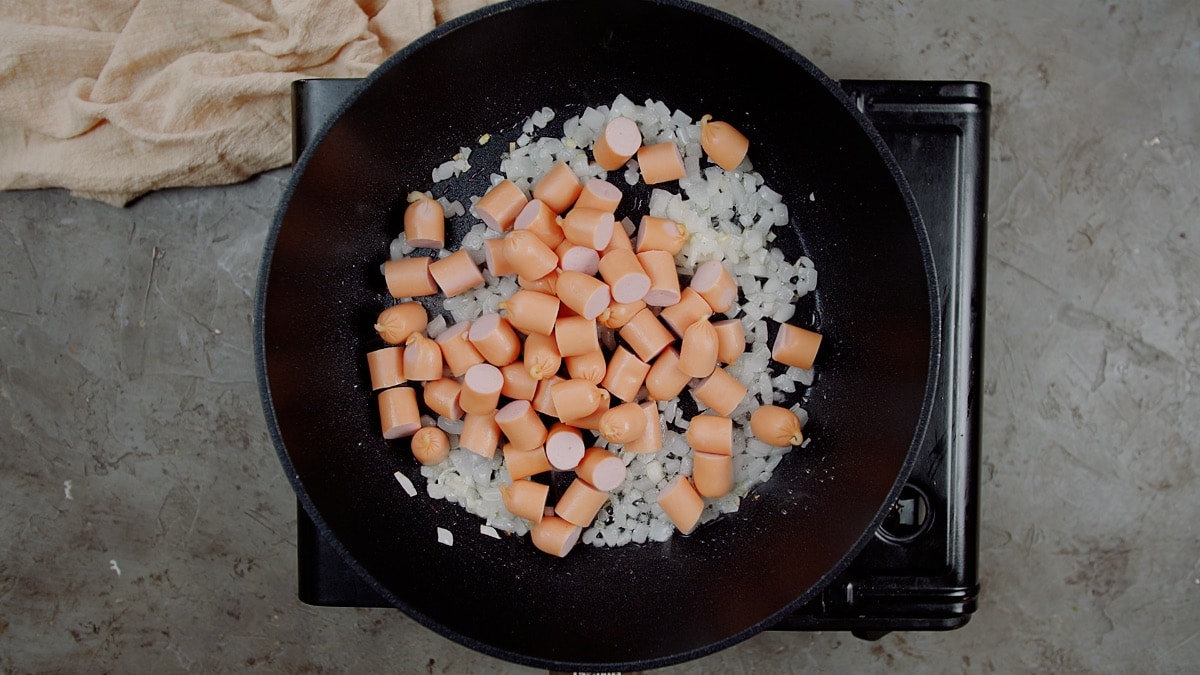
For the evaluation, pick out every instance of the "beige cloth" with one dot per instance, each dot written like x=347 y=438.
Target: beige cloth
x=114 y=98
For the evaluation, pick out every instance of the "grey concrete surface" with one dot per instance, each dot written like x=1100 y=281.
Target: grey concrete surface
x=147 y=527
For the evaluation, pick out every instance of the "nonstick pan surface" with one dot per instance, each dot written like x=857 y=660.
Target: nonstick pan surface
x=637 y=606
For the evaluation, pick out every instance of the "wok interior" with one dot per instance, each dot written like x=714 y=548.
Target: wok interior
x=643 y=604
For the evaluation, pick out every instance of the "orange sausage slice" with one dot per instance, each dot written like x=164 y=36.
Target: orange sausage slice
x=559 y=188
x=664 y=280
x=517 y=381
x=580 y=503
x=617 y=142
x=713 y=474
x=600 y=195
x=386 y=367
x=601 y=469
x=682 y=504
x=690 y=309
x=409 y=277
x=495 y=339
x=660 y=163
x=541 y=220
x=576 y=335
x=531 y=312
x=665 y=380
x=493 y=255
x=586 y=295
x=731 y=340
x=457 y=351
x=424 y=222
x=698 y=353
x=555 y=536
x=576 y=258
x=498 y=208
x=711 y=434
x=422 y=359
x=625 y=374
x=660 y=234
x=646 y=335
x=575 y=399
x=521 y=425
x=397 y=322
x=623 y=423
x=480 y=434
x=724 y=145
x=542 y=359
x=525 y=463
x=589 y=367
x=651 y=438
x=796 y=346
x=399 y=416
x=442 y=396
x=481 y=389
x=529 y=255
x=456 y=273
x=564 y=446
x=430 y=445
x=588 y=227
x=624 y=275
x=714 y=283
x=617 y=314
x=525 y=499
x=720 y=391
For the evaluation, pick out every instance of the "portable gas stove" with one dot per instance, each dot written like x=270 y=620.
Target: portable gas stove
x=920 y=572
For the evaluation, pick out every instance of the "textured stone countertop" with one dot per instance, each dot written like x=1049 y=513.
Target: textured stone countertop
x=147 y=525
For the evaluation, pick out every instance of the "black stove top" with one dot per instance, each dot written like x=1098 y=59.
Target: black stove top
x=920 y=572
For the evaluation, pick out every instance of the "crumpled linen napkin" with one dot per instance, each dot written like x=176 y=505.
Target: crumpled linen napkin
x=115 y=98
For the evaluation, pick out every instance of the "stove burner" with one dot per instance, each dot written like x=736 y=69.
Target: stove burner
x=920 y=571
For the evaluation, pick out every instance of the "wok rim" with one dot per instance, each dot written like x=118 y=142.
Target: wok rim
x=930 y=390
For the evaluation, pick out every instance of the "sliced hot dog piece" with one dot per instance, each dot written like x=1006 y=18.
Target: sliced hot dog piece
x=698 y=352
x=422 y=359
x=777 y=426
x=690 y=309
x=714 y=283
x=600 y=195
x=541 y=220
x=442 y=397
x=660 y=163
x=586 y=295
x=576 y=335
x=712 y=474
x=731 y=340
x=724 y=145
x=529 y=255
x=580 y=503
x=665 y=380
x=576 y=258
x=682 y=504
x=591 y=422
x=424 y=222
x=495 y=339
x=531 y=312
x=623 y=423
x=521 y=425
x=399 y=416
x=525 y=499
x=456 y=273
x=720 y=391
x=547 y=284
x=588 y=227
x=617 y=314
x=710 y=433
x=555 y=536
x=664 y=280
x=796 y=346
x=620 y=238
x=518 y=383
x=480 y=434
x=457 y=351
x=574 y=399
x=601 y=469
x=543 y=402
x=542 y=359
x=498 y=208
x=481 y=389
x=589 y=367
x=646 y=335
x=430 y=445
x=624 y=275
x=386 y=367
x=651 y=438
x=493 y=255
x=660 y=234
x=625 y=374
x=525 y=463
x=409 y=277
x=397 y=322
x=564 y=446
x=559 y=188
x=617 y=142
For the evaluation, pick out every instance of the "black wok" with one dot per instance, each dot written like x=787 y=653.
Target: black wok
x=637 y=606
